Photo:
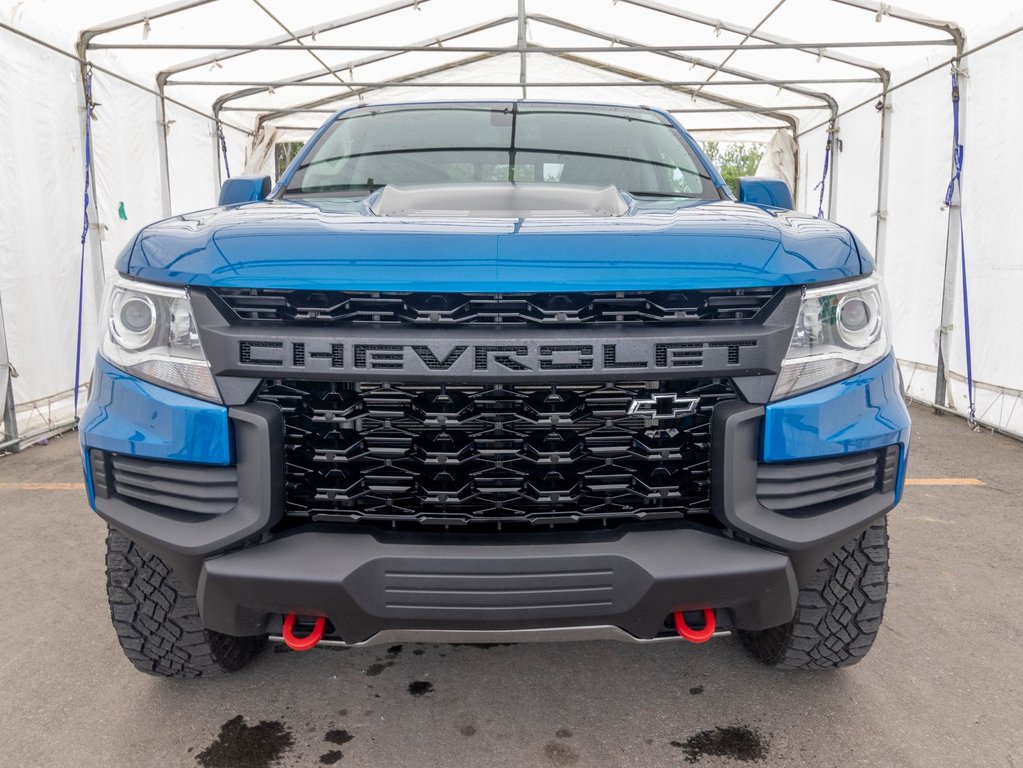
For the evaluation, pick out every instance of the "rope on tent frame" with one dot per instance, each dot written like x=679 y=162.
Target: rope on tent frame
x=824 y=176
x=957 y=182
x=223 y=148
x=89 y=105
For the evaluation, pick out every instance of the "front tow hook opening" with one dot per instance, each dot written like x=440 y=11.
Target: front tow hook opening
x=302 y=643
x=696 y=635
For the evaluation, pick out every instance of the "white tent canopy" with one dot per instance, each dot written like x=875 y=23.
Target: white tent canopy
x=168 y=81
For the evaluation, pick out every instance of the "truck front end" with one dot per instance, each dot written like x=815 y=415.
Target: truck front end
x=404 y=400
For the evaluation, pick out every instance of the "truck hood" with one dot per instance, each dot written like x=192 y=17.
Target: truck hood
x=342 y=245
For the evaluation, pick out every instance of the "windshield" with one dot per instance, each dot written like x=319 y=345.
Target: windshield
x=636 y=150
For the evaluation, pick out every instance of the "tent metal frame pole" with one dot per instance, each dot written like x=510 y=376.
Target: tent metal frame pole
x=94 y=243
x=522 y=46
x=886 y=9
x=953 y=233
x=753 y=77
x=273 y=42
x=219 y=104
x=276 y=84
x=815 y=48
x=742 y=42
x=725 y=129
x=836 y=150
x=163 y=149
x=327 y=68
x=642 y=79
x=333 y=99
x=776 y=42
x=12 y=441
x=883 y=164
x=86 y=36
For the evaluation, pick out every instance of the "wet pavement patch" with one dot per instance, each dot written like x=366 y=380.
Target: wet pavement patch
x=375 y=669
x=467 y=730
x=330 y=758
x=696 y=690
x=563 y=733
x=736 y=742
x=338 y=736
x=418 y=652
x=420 y=687
x=394 y=650
x=560 y=754
x=242 y=746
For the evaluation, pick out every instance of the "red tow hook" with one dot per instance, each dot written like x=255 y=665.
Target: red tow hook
x=302 y=643
x=696 y=635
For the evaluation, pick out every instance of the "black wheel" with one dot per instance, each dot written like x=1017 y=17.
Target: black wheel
x=838 y=613
x=157 y=620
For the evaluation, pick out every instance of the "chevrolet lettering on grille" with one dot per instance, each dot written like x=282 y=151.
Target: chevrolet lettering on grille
x=454 y=357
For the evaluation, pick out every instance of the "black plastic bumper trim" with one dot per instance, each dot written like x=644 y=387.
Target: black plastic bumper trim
x=175 y=534
x=807 y=537
x=365 y=585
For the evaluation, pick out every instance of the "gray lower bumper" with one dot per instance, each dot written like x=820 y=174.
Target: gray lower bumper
x=366 y=585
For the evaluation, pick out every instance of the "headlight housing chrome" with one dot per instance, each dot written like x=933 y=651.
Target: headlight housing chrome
x=150 y=332
x=842 y=328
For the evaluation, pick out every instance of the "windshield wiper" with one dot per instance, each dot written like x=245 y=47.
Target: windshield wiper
x=686 y=195
x=344 y=190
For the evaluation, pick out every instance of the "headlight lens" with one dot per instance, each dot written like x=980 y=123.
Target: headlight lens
x=841 y=329
x=150 y=333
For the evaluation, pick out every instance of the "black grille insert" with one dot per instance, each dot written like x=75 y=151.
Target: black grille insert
x=491 y=456
x=200 y=489
x=813 y=486
x=573 y=308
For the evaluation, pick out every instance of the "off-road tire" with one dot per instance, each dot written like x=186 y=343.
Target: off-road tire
x=157 y=620
x=838 y=613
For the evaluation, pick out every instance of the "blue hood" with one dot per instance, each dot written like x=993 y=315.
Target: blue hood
x=341 y=246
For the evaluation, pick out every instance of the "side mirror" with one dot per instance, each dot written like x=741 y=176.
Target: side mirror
x=757 y=190
x=244 y=189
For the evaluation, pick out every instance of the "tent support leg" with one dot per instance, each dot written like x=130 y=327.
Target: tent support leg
x=835 y=152
x=218 y=179
x=521 y=43
x=164 y=128
x=11 y=442
x=883 y=160
x=942 y=397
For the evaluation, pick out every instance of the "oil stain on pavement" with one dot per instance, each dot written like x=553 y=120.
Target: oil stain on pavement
x=243 y=746
x=737 y=742
x=420 y=688
x=559 y=753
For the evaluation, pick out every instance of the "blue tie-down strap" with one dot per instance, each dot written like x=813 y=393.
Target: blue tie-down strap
x=85 y=232
x=956 y=182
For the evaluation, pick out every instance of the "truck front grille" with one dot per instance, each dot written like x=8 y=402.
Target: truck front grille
x=423 y=308
x=494 y=456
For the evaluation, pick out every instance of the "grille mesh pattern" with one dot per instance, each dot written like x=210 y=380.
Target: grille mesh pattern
x=491 y=455
x=504 y=308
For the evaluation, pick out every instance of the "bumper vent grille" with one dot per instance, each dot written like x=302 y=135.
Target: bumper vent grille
x=337 y=307
x=792 y=487
x=488 y=456
x=200 y=489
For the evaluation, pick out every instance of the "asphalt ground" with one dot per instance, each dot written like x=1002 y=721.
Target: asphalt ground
x=942 y=686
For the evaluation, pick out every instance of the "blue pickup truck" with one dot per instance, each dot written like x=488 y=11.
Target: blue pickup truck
x=495 y=372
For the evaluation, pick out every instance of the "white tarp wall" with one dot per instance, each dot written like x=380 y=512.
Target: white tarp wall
x=41 y=157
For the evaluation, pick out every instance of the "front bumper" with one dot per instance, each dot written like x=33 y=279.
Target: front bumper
x=366 y=583
x=369 y=582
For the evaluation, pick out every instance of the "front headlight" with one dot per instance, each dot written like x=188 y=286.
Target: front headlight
x=842 y=328
x=150 y=333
